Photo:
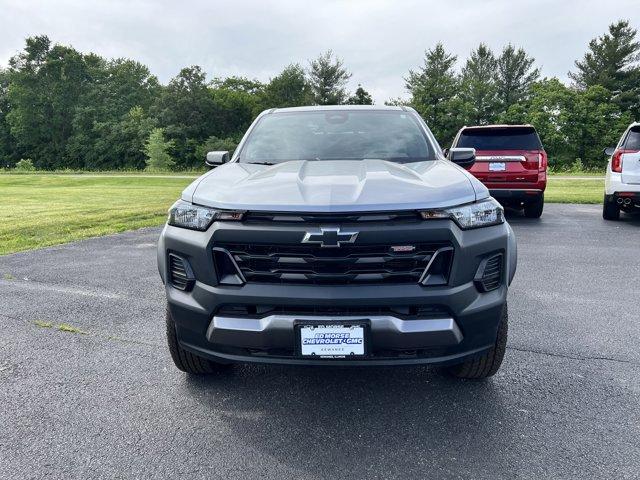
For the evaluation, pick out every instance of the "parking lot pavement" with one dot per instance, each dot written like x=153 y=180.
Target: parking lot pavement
x=107 y=402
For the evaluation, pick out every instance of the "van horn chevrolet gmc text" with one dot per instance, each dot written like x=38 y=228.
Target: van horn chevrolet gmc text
x=338 y=236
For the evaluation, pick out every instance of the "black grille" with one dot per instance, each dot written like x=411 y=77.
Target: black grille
x=491 y=273
x=401 y=311
x=180 y=274
x=352 y=264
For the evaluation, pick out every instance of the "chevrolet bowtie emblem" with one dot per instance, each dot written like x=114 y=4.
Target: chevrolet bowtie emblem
x=329 y=237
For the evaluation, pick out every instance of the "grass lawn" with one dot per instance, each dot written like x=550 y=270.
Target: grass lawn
x=574 y=191
x=41 y=210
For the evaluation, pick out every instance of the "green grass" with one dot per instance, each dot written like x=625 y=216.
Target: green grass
x=42 y=324
x=192 y=172
x=577 y=174
x=63 y=327
x=574 y=191
x=43 y=210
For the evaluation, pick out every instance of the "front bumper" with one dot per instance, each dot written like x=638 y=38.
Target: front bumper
x=463 y=320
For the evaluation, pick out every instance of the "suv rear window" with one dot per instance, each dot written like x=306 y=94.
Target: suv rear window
x=633 y=139
x=524 y=138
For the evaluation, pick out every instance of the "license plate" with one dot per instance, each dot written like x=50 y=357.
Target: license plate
x=497 y=167
x=332 y=341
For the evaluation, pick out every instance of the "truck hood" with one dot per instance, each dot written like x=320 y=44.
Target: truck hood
x=335 y=186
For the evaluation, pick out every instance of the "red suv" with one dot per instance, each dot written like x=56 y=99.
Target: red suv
x=511 y=162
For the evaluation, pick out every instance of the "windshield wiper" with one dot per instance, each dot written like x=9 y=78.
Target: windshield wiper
x=259 y=163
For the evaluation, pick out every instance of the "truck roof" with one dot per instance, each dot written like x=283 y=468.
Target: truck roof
x=314 y=108
x=497 y=126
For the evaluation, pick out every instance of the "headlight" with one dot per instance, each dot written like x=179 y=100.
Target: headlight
x=187 y=215
x=473 y=215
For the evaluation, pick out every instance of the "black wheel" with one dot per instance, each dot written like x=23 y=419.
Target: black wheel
x=488 y=364
x=185 y=360
x=610 y=210
x=534 y=208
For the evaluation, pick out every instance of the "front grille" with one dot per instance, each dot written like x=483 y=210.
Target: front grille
x=406 y=312
x=352 y=264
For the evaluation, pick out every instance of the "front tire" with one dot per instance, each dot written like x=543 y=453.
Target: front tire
x=489 y=363
x=534 y=209
x=185 y=360
x=610 y=210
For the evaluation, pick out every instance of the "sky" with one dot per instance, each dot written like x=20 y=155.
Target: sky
x=378 y=40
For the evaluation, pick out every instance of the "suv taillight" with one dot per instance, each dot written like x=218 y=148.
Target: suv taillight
x=542 y=161
x=616 y=159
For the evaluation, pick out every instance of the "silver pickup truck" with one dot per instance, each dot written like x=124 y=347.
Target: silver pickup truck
x=338 y=236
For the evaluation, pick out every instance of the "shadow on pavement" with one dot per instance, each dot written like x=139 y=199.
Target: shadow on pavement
x=516 y=217
x=321 y=419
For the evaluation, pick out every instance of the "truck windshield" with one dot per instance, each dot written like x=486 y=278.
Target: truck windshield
x=524 y=138
x=337 y=135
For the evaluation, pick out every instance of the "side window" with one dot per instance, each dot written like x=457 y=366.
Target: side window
x=632 y=141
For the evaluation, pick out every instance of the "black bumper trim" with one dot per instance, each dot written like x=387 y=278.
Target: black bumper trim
x=515 y=194
x=369 y=361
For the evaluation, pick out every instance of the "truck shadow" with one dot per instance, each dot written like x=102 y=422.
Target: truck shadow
x=516 y=217
x=343 y=422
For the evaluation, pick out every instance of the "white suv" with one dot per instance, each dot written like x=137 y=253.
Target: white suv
x=622 y=182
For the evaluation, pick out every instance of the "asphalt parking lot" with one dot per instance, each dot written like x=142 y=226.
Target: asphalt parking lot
x=109 y=403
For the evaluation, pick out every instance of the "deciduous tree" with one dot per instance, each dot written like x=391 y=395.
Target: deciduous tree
x=185 y=109
x=46 y=83
x=7 y=144
x=289 y=88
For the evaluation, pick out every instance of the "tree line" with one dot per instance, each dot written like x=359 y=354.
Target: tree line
x=62 y=109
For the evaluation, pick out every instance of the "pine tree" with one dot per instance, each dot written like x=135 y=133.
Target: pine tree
x=515 y=75
x=478 y=88
x=328 y=78
x=360 y=97
x=157 y=150
x=612 y=62
x=433 y=90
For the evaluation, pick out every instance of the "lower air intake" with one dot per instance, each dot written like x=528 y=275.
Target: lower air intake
x=489 y=276
x=180 y=274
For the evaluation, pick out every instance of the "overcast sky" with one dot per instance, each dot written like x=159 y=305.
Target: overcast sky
x=379 y=40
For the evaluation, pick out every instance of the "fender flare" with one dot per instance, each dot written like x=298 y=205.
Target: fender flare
x=512 y=255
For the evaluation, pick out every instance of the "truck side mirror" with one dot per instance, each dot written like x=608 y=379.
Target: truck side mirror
x=465 y=157
x=216 y=158
x=609 y=151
